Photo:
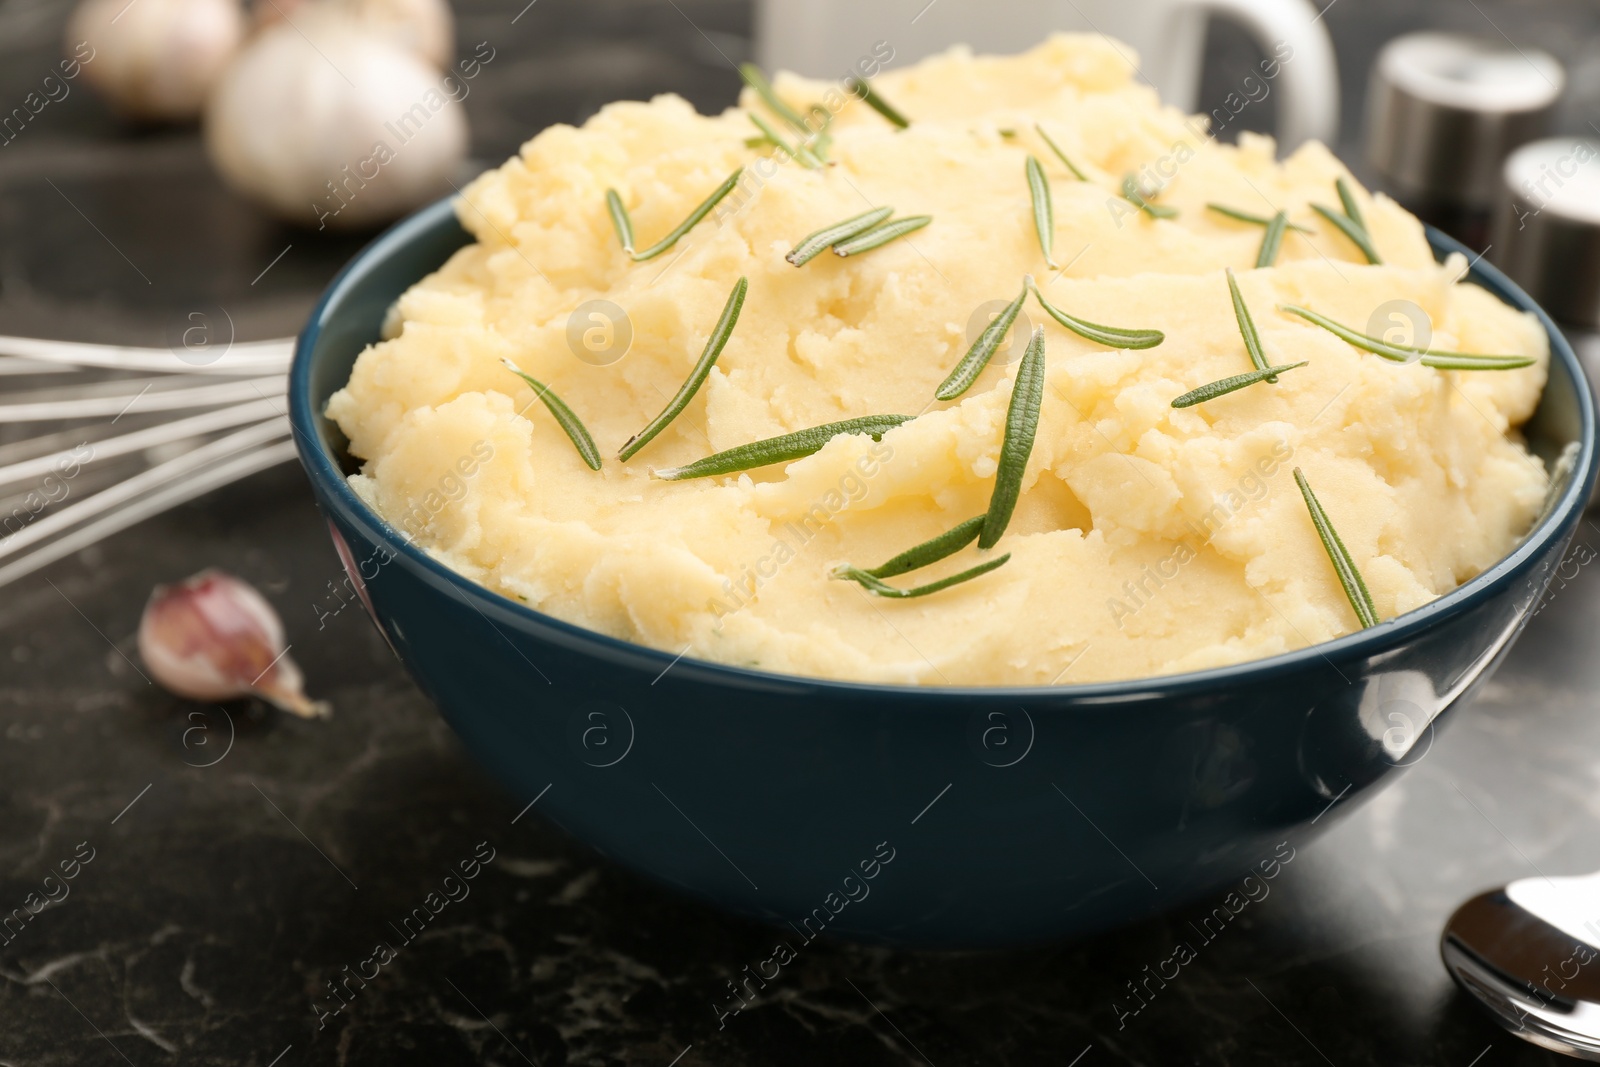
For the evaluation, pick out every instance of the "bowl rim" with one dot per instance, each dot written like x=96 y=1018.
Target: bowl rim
x=323 y=470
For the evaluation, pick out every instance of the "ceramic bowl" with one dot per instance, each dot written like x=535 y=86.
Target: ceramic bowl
x=918 y=816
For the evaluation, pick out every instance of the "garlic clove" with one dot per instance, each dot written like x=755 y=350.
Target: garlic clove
x=213 y=637
x=426 y=28
x=156 y=59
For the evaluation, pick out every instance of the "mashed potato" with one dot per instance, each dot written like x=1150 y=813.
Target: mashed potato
x=1147 y=539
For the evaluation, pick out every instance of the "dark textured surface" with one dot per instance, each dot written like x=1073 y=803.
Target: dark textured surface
x=218 y=905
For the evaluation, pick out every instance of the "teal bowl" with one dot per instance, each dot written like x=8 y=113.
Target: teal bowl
x=918 y=816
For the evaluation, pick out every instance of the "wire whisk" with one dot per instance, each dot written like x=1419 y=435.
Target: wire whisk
x=96 y=438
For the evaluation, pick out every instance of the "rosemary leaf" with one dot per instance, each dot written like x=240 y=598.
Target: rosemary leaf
x=1430 y=357
x=1212 y=390
x=1247 y=326
x=689 y=223
x=1076 y=173
x=1352 y=209
x=697 y=376
x=620 y=219
x=798 y=152
x=1110 y=336
x=977 y=357
x=1271 y=240
x=881 y=235
x=870 y=97
x=1044 y=212
x=779 y=449
x=758 y=81
x=1356 y=233
x=1257 y=220
x=1130 y=193
x=1354 y=588
x=930 y=551
x=576 y=433
x=813 y=245
x=1022 y=422
x=877 y=588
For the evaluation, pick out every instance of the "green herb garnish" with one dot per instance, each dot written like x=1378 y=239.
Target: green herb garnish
x=620 y=220
x=779 y=449
x=1110 y=336
x=1428 y=357
x=966 y=372
x=624 y=225
x=576 y=433
x=697 y=376
x=758 y=81
x=870 y=97
x=1076 y=173
x=1212 y=390
x=1247 y=326
x=1256 y=220
x=877 y=588
x=1131 y=193
x=798 y=151
x=881 y=235
x=930 y=551
x=1022 y=422
x=1350 y=223
x=1044 y=212
x=1354 y=588
x=813 y=245
x=1271 y=240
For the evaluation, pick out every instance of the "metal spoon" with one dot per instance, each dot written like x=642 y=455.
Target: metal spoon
x=1530 y=953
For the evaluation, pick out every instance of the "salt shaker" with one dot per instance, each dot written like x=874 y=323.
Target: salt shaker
x=1547 y=236
x=1444 y=111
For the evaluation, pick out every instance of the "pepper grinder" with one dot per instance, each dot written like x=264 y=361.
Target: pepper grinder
x=1547 y=237
x=1444 y=111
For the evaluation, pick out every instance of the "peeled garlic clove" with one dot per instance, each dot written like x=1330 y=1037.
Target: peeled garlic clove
x=328 y=125
x=156 y=59
x=213 y=637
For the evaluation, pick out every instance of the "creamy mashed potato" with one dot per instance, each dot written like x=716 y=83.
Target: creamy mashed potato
x=1147 y=540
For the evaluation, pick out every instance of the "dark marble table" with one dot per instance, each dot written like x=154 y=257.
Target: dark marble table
x=240 y=863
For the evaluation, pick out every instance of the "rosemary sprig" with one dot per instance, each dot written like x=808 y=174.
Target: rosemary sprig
x=1044 y=212
x=930 y=551
x=966 y=372
x=1247 y=326
x=881 y=235
x=1212 y=390
x=615 y=202
x=877 y=588
x=1076 y=173
x=1110 y=336
x=869 y=96
x=814 y=244
x=1257 y=220
x=1354 y=588
x=798 y=151
x=1131 y=193
x=779 y=449
x=1351 y=209
x=576 y=432
x=758 y=81
x=1356 y=234
x=620 y=220
x=697 y=376
x=1022 y=422
x=1272 y=240
x=1429 y=357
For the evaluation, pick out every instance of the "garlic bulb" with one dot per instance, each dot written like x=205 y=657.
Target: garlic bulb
x=325 y=124
x=425 y=28
x=156 y=59
x=213 y=637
